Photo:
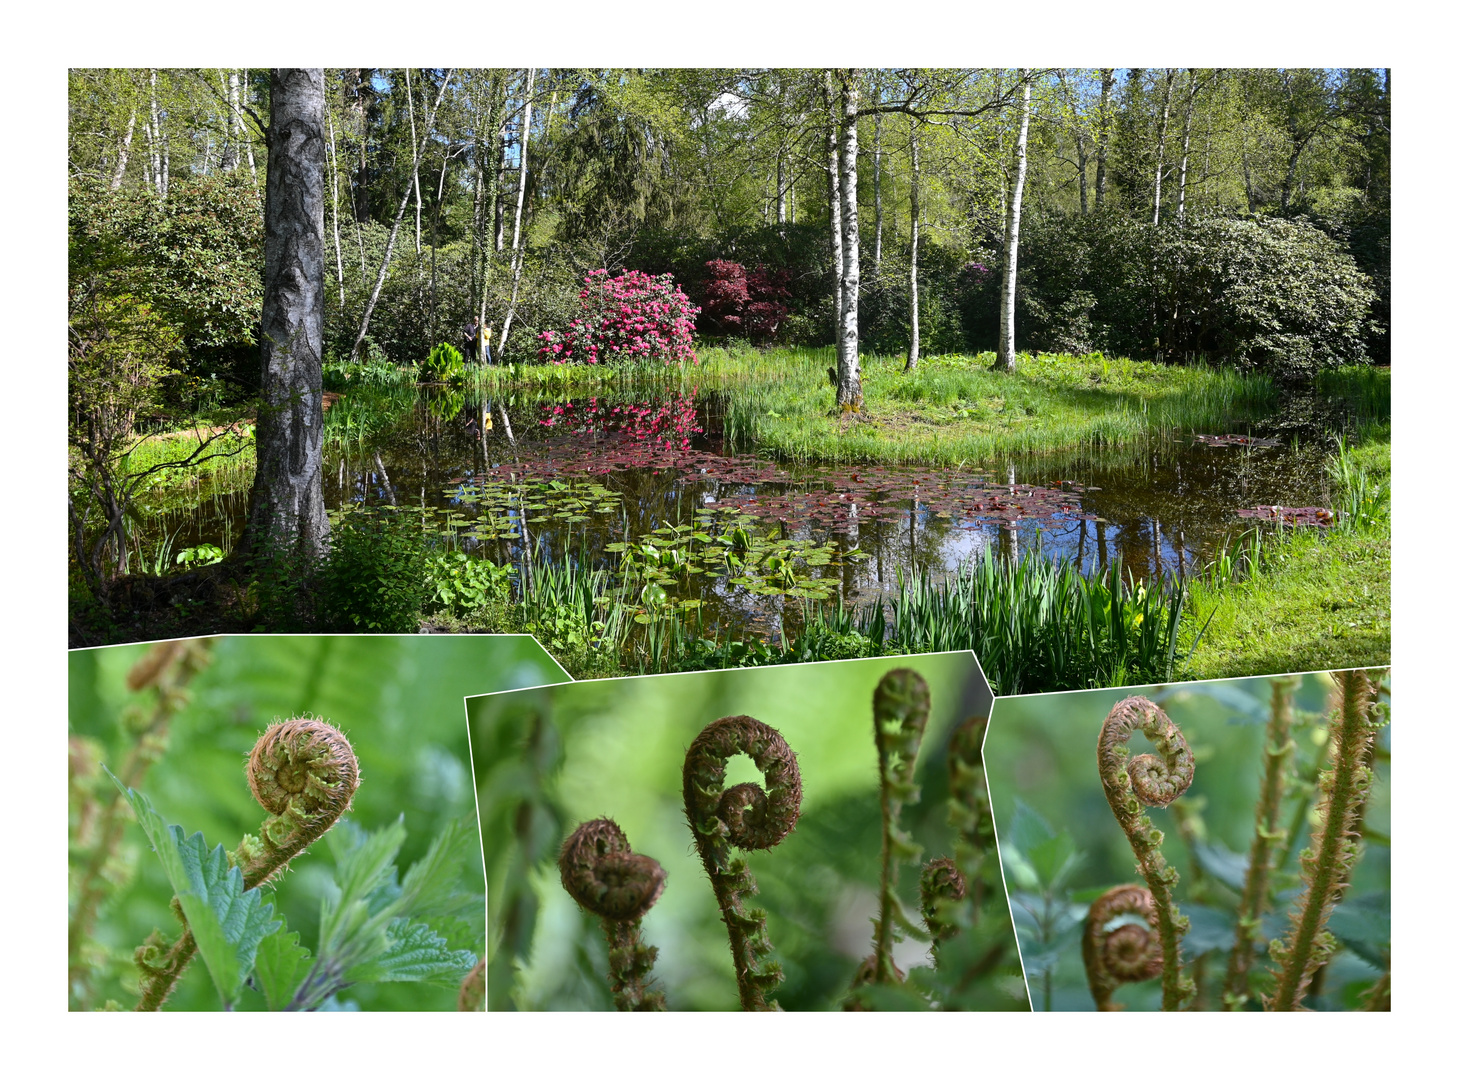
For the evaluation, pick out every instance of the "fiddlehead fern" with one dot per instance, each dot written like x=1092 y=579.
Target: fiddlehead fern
x=1150 y=780
x=304 y=773
x=1326 y=864
x=969 y=813
x=1278 y=752
x=899 y=710
x=748 y=817
x=600 y=871
x=1129 y=952
x=472 y=996
x=942 y=885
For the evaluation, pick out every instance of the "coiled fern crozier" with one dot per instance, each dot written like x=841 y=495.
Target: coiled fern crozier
x=304 y=773
x=601 y=872
x=1130 y=784
x=748 y=817
x=1127 y=953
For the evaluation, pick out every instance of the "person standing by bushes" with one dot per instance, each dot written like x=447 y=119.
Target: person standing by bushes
x=471 y=333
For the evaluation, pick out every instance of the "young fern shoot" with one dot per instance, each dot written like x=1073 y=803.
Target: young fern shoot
x=601 y=872
x=748 y=817
x=1149 y=780
x=1327 y=863
x=1269 y=832
x=1127 y=953
x=899 y=708
x=304 y=773
x=969 y=813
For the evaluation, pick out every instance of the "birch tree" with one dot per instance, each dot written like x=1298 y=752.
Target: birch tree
x=521 y=201
x=286 y=508
x=915 y=341
x=848 y=360
x=1005 y=360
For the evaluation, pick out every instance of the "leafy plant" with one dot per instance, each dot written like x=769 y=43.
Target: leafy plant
x=444 y=363
x=304 y=772
x=629 y=317
x=375 y=576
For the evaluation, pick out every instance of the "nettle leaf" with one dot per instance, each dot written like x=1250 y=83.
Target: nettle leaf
x=1223 y=864
x=414 y=953
x=227 y=921
x=1364 y=925
x=280 y=967
x=1211 y=929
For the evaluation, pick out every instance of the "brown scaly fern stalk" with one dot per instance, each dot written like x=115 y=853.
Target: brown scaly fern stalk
x=1279 y=747
x=1327 y=863
x=1128 y=953
x=304 y=773
x=472 y=997
x=1151 y=780
x=166 y=668
x=969 y=814
x=748 y=817
x=941 y=887
x=899 y=708
x=601 y=872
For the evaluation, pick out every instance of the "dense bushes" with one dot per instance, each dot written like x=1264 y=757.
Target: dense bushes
x=194 y=260
x=1267 y=293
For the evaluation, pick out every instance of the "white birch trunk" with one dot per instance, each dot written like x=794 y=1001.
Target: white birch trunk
x=1106 y=87
x=123 y=152
x=414 y=164
x=914 y=346
x=334 y=203
x=1185 y=147
x=1160 y=139
x=876 y=193
x=521 y=200
x=848 y=375
x=833 y=187
x=1006 y=361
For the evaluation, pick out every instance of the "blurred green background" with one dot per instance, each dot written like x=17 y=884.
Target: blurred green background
x=547 y=760
x=1062 y=847
x=399 y=699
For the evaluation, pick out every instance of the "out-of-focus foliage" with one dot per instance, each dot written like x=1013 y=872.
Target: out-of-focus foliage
x=399 y=701
x=547 y=760
x=1062 y=848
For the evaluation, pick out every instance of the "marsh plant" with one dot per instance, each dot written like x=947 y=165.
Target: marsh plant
x=375 y=924
x=1263 y=936
x=960 y=913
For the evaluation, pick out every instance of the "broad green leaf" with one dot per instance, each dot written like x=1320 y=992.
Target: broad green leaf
x=226 y=921
x=1364 y=925
x=1223 y=864
x=280 y=967
x=1210 y=929
x=414 y=953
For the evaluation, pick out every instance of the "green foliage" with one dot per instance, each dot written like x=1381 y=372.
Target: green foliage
x=461 y=583
x=375 y=576
x=227 y=922
x=444 y=363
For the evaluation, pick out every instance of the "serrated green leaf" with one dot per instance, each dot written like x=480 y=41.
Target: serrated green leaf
x=414 y=953
x=280 y=967
x=226 y=921
x=1223 y=864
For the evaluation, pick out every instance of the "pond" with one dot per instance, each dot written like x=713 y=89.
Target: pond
x=646 y=485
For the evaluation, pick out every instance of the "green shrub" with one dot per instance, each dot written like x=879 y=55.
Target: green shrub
x=445 y=363
x=375 y=576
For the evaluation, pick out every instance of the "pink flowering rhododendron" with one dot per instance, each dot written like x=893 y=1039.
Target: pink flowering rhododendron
x=629 y=317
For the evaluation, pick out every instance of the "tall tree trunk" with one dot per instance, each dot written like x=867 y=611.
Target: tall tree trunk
x=521 y=201
x=1006 y=361
x=362 y=175
x=228 y=154
x=833 y=188
x=286 y=508
x=848 y=374
x=414 y=163
x=334 y=204
x=1101 y=152
x=123 y=151
x=1185 y=145
x=1160 y=139
x=496 y=108
x=394 y=231
x=915 y=344
x=876 y=192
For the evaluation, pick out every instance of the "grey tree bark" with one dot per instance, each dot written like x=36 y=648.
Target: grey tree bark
x=1006 y=361
x=915 y=344
x=123 y=151
x=848 y=371
x=521 y=200
x=286 y=508
x=1185 y=144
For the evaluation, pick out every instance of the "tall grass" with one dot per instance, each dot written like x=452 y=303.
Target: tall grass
x=1362 y=494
